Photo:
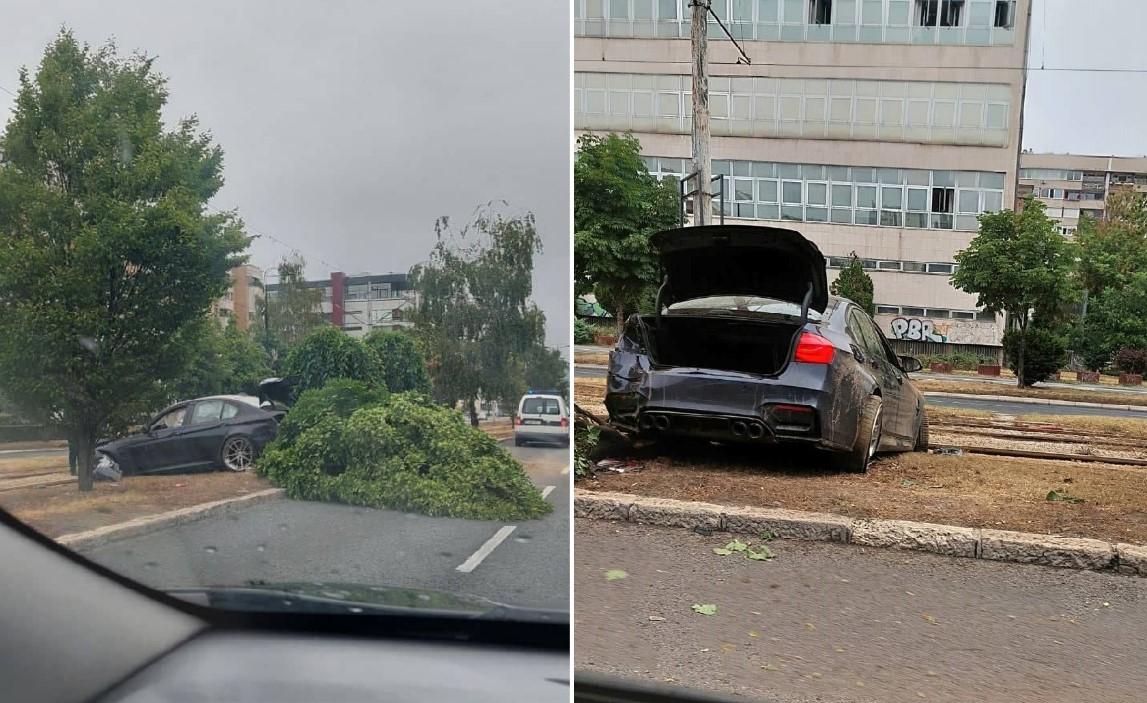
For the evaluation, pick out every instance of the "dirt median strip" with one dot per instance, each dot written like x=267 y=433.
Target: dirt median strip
x=89 y=539
x=949 y=540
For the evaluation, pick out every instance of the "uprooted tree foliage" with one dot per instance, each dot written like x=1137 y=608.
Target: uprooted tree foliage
x=350 y=443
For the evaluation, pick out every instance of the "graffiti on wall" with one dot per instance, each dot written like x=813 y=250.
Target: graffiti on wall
x=919 y=329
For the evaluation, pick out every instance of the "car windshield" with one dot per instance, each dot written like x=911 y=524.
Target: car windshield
x=742 y=303
x=276 y=294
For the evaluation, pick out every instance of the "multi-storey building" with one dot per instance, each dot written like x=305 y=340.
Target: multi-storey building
x=241 y=301
x=881 y=127
x=364 y=302
x=1074 y=186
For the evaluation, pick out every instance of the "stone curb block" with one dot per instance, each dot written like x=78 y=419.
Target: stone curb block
x=602 y=506
x=918 y=536
x=665 y=512
x=1037 y=401
x=948 y=540
x=1064 y=552
x=793 y=524
x=90 y=539
x=1132 y=558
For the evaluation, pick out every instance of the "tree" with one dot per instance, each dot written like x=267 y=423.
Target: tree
x=474 y=316
x=1019 y=264
x=617 y=206
x=403 y=366
x=854 y=283
x=329 y=353
x=1113 y=272
x=108 y=254
x=546 y=369
x=293 y=310
x=223 y=361
x=1044 y=352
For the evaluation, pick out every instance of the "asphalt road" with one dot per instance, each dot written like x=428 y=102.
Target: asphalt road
x=287 y=540
x=829 y=622
x=32 y=453
x=995 y=406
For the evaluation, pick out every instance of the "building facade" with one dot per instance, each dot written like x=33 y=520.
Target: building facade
x=241 y=301
x=364 y=302
x=881 y=127
x=1074 y=186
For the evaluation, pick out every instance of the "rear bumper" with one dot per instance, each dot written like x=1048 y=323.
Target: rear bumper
x=554 y=435
x=795 y=406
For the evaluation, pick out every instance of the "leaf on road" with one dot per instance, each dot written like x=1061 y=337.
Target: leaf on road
x=737 y=546
x=762 y=555
x=1063 y=496
x=727 y=647
x=722 y=551
x=615 y=575
x=809 y=626
x=705 y=608
x=929 y=619
x=754 y=633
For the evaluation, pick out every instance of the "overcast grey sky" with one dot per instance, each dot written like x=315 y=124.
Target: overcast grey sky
x=350 y=125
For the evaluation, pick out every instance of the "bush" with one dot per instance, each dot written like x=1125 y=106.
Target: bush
x=1130 y=360
x=582 y=332
x=398 y=451
x=1044 y=353
x=327 y=354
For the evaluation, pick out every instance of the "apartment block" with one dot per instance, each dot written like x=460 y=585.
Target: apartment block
x=241 y=301
x=364 y=302
x=881 y=127
x=1074 y=186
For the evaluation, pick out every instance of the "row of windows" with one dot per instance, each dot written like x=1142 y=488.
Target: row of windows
x=887 y=197
x=911 y=111
x=1049 y=174
x=836 y=262
x=935 y=313
x=948 y=22
x=1063 y=194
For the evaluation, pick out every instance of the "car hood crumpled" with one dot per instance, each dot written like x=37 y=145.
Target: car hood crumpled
x=768 y=262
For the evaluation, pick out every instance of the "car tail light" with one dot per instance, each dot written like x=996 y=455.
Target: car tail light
x=518 y=420
x=814 y=349
x=564 y=422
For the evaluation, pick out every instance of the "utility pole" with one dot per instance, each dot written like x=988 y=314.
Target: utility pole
x=702 y=164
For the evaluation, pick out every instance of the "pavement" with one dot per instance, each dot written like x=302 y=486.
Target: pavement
x=33 y=453
x=985 y=404
x=830 y=622
x=288 y=540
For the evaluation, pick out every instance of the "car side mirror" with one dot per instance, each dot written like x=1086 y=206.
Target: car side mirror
x=911 y=364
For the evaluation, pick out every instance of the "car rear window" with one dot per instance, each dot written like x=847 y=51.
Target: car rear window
x=744 y=303
x=541 y=406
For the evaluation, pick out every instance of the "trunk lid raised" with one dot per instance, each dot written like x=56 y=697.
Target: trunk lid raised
x=768 y=262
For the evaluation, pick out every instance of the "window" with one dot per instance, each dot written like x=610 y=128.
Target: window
x=397 y=314
x=957 y=315
x=936 y=314
x=206 y=411
x=820 y=12
x=912 y=267
x=171 y=419
x=985 y=316
x=229 y=411
x=887 y=265
x=887 y=310
x=1005 y=10
x=942 y=199
x=941 y=268
x=912 y=312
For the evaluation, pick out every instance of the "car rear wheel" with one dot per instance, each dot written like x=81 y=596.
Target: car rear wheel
x=867 y=439
x=238 y=454
x=922 y=433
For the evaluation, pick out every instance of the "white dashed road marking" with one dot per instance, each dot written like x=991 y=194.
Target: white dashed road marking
x=484 y=551
x=547 y=490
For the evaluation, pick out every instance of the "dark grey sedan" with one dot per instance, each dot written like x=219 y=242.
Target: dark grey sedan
x=226 y=431
x=748 y=346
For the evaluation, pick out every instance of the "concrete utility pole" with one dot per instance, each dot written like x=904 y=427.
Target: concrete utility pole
x=702 y=164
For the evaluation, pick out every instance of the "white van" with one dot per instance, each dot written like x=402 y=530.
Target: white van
x=542 y=417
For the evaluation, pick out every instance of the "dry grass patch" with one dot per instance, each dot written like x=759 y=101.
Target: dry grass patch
x=60 y=510
x=598 y=358
x=14 y=467
x=1071 y=394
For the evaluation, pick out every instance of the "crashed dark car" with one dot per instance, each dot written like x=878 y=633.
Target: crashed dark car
x=227 y=431
x=748 y=346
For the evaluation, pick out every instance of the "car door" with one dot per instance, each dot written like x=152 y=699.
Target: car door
x=898 y=422
x=205 y=429
x=872 y=356
x=163 y=450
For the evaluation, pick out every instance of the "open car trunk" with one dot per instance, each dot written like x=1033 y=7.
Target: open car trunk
x=761 y=347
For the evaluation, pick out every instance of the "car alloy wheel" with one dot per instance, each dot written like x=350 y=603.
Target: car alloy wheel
x=238 y=454
x=874 y=442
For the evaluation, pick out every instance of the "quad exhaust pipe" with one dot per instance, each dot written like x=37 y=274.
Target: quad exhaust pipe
x=661 y=422
x=739 y=428
x=756 y=431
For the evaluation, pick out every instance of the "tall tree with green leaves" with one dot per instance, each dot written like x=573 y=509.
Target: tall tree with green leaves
x=224 y=361
x=108 y=253
x=855 y=284
x=547 y=369
x=403 y=365
x=617 y=206
x=1019 y=264
x=474 y=317
x=292 y=310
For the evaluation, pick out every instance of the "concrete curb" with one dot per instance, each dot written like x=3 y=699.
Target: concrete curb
x=1036 y=401
x=947 y=540
x=100 y=536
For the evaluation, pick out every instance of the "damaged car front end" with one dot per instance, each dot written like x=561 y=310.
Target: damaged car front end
x=747 y=346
